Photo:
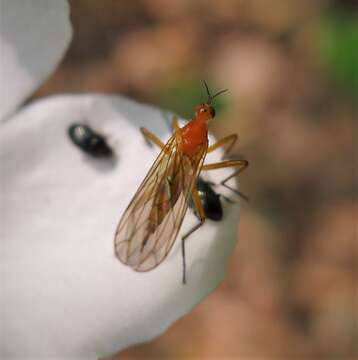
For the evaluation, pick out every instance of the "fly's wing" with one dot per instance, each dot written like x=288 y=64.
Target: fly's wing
x=150 y=224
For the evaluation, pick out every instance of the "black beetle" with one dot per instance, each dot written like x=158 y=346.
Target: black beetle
x=210 y=200
x=89 y=141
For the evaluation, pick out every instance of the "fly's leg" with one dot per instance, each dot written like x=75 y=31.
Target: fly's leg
x=240 y=164
x=201 y=213
x=175 y=123
x=237 y=192
x=227 y=140
x=151 y=138
x=228 y=200
x=171 y=121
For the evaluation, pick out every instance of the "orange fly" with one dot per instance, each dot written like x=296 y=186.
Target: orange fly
x=151 y=222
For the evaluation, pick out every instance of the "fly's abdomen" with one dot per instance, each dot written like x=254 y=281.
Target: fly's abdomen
x=165 y=199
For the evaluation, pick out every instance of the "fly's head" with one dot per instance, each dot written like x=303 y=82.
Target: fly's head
x=206 y=111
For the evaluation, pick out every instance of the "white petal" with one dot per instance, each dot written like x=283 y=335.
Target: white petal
x=33 y=38
x=63 y=291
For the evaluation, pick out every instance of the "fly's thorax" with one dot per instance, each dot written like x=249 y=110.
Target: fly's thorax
x=193 y=137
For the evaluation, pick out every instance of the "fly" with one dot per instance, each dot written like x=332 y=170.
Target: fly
x=150 y=224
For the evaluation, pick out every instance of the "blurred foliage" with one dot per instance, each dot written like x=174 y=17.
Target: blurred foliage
x=338 y=43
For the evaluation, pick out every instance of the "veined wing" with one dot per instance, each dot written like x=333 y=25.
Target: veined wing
x=150 y=224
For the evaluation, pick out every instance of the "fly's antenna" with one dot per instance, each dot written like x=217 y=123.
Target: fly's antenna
x=210 y=98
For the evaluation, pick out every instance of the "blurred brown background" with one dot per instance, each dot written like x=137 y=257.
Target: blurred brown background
x=292 y=70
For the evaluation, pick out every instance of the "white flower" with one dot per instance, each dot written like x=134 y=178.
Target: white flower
x=33 y=37
x=63 y=292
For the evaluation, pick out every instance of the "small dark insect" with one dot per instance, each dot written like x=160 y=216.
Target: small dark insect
x=210 y=200
x=89 y=141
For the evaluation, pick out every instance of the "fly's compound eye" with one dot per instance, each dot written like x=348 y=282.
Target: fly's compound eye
x=212 y=112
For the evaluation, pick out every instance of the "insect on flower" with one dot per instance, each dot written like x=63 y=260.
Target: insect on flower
x=89 y=141
x=151 y=222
